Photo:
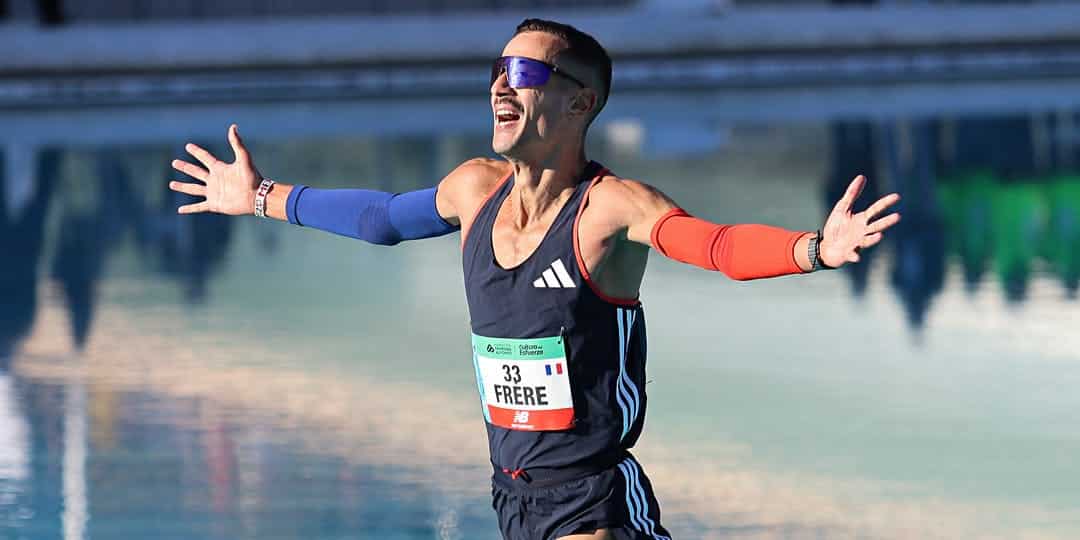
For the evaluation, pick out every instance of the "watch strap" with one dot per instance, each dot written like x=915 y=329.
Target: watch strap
x=260 y=197
x=813 y=252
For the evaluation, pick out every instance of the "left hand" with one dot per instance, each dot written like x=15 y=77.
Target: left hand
x=846 y=233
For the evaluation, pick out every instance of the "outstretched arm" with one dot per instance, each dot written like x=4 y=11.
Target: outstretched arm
x=375 y=216
x=750 y=251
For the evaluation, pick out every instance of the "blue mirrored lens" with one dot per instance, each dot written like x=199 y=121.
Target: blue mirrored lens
x=521 y=72
x=525 y=73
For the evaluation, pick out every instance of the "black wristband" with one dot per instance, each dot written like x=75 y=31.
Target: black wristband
x=813 y=252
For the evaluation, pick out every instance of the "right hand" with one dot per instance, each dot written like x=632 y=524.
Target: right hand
x=229 y=187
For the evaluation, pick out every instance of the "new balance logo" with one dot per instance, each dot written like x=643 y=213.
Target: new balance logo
x=555 y=277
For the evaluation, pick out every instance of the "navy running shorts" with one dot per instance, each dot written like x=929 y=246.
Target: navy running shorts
x=618 y=498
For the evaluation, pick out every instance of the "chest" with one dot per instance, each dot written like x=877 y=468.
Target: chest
x=514 y=242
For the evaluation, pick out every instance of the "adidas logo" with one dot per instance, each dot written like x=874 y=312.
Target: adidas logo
x=555 y=277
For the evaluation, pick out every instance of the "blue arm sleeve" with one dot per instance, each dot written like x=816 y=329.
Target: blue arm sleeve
x=374 y=216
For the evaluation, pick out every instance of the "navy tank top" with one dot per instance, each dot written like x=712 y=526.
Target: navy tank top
x=549 y=295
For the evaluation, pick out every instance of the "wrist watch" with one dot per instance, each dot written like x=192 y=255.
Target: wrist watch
x=813 y=252
x=260 y=197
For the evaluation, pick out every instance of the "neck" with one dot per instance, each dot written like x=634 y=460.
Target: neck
x=541 y=186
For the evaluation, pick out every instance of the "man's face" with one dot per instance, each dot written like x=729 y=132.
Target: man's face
x=528 y=121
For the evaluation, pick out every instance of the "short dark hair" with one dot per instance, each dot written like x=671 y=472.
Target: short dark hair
x=582 y=47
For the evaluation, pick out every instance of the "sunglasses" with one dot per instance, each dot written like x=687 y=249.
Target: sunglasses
x=524 y=72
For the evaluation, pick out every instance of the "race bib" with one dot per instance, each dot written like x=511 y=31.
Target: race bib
x=524 y=383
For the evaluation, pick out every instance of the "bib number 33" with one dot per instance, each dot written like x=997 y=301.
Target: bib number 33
x=524 y=383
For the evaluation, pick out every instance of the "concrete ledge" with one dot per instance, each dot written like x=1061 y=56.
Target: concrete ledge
x=638 y=32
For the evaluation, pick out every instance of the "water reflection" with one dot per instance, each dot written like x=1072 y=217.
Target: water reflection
x=87 y=237
x=918 y=272
x=158 y=459
x=853 y=152
x=23 y=231
x=999 y=196
x=298 y=452
x=1063 y=238
x=1008 y=192
x=75 y=513
x=96 y=214
x=14 y=455
x=77 y=268
x=188 y=248
x=991 y=193
x=975 y=190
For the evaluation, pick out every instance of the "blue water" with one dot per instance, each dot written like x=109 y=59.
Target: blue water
x=174 y=376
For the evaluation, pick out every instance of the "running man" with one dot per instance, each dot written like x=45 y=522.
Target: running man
x=554 y=248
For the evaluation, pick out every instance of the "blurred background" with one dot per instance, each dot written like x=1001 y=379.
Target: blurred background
x=166 y=376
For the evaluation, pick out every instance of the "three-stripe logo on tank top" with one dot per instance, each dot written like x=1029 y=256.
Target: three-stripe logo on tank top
x=554 y=277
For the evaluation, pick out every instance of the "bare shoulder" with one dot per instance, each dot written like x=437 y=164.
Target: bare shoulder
x=627 y=208
x=465 y=188
x=625 y=199
x=477 y=175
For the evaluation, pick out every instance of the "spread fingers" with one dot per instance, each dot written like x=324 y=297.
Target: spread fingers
x=882 y=204
x=198 y=190
x=194 y=208
x=206 y=158
x=191 y=169
x=883 y=223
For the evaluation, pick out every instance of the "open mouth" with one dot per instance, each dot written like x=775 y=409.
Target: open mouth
x=505 y=116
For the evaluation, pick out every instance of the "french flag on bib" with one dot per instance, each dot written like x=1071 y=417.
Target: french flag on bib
x=558 y=368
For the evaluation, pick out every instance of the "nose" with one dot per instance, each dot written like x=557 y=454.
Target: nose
x=501 y=86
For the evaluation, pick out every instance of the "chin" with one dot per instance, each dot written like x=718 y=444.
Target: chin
x=504 y=147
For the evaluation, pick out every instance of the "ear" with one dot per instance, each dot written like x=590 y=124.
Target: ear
x=583 y=102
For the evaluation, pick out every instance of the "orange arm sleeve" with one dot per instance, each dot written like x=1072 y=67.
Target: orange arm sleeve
x=741 y=252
